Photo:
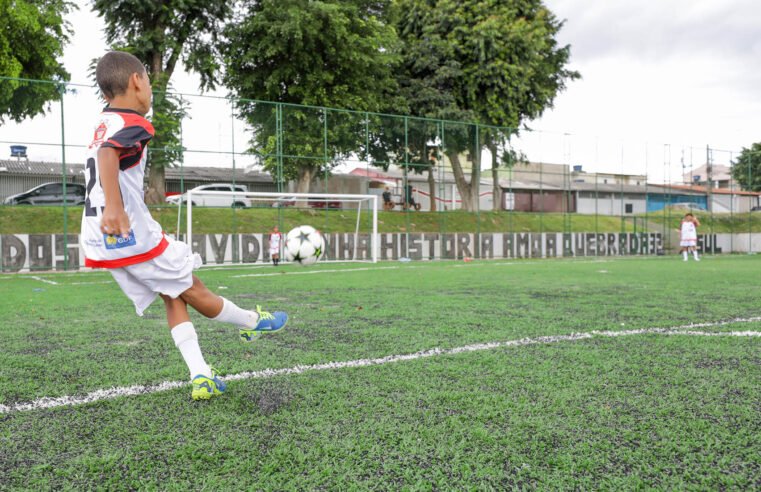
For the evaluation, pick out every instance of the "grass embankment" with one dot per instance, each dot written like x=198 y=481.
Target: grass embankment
x=49 y=220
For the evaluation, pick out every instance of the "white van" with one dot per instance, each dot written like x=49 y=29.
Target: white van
x=203 y=200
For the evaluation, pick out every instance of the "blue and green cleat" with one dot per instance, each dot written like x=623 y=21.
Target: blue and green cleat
x=205 y=388
x=267 y=322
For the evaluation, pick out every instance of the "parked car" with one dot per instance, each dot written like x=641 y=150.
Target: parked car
x=290 y=201
x=213 y=200
x=49 y=194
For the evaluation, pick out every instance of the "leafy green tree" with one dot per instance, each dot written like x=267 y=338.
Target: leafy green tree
x=746 y=169
x=332 y=53
x=493 y=62
x=32 y=38
x=163 y=33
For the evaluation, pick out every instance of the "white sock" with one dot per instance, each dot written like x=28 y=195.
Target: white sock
x=695 y=254
x=233 y=314
x=684 y=253
x=186 y=340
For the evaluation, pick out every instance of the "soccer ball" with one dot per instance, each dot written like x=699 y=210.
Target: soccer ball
x=304 y=245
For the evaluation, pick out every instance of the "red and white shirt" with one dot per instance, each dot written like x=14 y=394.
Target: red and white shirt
x=129 y=133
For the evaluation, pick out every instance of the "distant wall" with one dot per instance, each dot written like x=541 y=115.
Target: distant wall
x=41 y=252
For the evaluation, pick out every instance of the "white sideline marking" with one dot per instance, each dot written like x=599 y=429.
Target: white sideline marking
x=112 y=393
x=314 y=272
x=43 y=280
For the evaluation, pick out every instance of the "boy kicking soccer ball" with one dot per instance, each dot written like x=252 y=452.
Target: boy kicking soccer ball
x=688 y=236
x=118 y=232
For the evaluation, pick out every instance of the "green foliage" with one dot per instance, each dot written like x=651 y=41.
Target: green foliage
x=337 y=53
x=161 y=34
x=32 y=38
x=496 y=63
x=746 y=169
x=168 y=113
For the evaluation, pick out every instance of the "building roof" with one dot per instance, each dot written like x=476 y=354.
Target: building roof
x=37 y=168
x=208 y=174
x=217 y=174
x=716 y=191
x=393 y=176
x=610 y=187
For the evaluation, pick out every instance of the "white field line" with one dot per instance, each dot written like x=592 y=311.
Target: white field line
x=314 y=272
x=112 y=393
x=43 y=280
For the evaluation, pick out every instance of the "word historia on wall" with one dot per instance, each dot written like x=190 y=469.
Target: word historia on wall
x=45 y=252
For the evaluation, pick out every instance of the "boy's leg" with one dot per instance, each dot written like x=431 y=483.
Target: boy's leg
x=206 y=384
x=185 y=337
x=220 y=309
x=695 y=253
x=684 y=253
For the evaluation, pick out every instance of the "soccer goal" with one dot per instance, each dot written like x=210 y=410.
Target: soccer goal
x=237 y=224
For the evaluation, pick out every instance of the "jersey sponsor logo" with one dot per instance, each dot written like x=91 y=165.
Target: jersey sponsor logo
x=116 y=242
x=100 y=135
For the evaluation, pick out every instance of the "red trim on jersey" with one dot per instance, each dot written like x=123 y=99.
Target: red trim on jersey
x=132 y=118
x=130 y=260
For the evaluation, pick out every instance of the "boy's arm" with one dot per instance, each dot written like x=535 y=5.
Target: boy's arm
x=114 y=220
x=697 y=222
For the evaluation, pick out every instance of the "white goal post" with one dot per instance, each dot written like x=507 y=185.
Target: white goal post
x=245 y=199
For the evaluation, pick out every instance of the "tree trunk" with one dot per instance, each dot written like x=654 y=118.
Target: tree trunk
x=432 y=188
x=459 y=179
x=303 y=182
x=475 y=180
x=155 y=192
x=496 y=188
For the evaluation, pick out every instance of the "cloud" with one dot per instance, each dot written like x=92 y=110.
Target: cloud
x=660 y=29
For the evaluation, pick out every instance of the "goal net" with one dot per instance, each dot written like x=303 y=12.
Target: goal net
x=234 y=227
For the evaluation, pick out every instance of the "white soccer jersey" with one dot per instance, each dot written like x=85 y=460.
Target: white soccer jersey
x=129 y=133
x=275 y=243
x=689 y=232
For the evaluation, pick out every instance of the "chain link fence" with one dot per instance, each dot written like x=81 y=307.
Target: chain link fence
x=448 y=189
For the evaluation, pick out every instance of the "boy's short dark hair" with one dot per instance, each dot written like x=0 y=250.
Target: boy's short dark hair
x=114 y=70
x=689 y=214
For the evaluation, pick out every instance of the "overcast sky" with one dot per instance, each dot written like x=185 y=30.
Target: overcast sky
x=678 y=72
x=669 y=76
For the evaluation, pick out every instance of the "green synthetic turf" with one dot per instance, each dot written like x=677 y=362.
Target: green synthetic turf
x=642 y=411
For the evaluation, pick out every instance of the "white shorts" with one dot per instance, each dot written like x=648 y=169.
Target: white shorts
x=688 y=242
x=170 y=274
x=274 y=251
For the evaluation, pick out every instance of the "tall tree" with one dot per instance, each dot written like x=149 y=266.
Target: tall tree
x=163 y=33
x=746 y=169
x=32 y=39
x=506 y=67
x=332 y=53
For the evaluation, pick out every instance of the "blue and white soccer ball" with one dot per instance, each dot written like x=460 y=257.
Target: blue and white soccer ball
x=304 y=245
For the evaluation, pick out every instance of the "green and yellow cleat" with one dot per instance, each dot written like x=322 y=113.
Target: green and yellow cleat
x=205 y=388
